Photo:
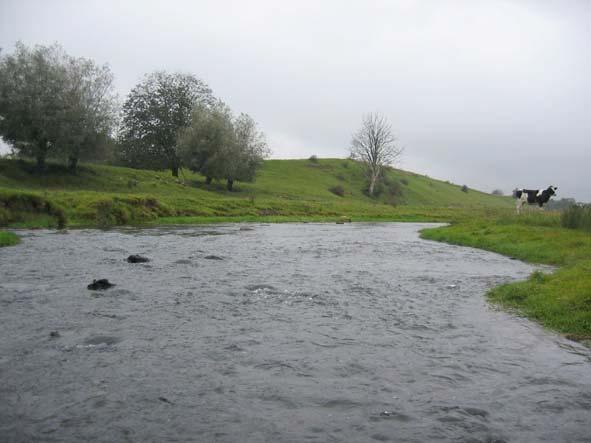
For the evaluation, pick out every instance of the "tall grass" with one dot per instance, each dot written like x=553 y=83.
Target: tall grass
x=577 y=217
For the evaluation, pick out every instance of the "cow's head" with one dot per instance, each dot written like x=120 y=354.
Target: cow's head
x=552 y=190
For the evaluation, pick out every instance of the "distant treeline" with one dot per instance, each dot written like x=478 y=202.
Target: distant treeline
x=53 y=105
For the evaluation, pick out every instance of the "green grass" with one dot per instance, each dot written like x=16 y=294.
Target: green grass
x=293 y=190
x=560 y=300
x=8 y=239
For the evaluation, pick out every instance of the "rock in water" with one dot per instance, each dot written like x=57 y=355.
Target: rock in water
x=213 y=257
x=136 y=258
x=100 y=285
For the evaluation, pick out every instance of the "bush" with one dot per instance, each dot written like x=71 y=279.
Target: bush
x=497 y=192
x=404 y=181
x=337 y=190
x=577 y=217
x=313 y=159
x=464 y=188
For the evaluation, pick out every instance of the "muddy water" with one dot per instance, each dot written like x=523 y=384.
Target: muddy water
x=282 y=333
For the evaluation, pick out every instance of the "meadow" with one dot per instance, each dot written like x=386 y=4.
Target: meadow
x=285 y=190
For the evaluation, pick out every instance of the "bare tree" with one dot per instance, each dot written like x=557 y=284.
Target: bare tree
x=374 y=145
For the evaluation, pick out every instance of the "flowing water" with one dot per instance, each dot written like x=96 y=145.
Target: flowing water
x=281 y=333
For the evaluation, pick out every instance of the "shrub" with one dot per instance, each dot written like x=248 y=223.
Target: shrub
x=337 y=190
x=404 y=181
x=464 y=188
x=497 y=192
x=577 y=217
x=313 y=159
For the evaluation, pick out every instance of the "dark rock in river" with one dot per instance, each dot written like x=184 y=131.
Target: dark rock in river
x=54 y=334
x=136 y=258
x=100 y=285
x=213 y=257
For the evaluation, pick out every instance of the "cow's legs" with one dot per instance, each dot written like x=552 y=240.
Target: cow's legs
x=519 y=205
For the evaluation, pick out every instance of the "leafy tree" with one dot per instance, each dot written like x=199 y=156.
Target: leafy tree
x=91 y=111
x=222 y=147
x=374 y=145
x=247 y=153
x=32 y=86
x=205 y=145
x=155 y=111
x=52 y=103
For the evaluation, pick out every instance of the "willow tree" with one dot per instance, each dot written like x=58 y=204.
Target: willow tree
x=222 y=147
x=375 y=146
x=53 y=104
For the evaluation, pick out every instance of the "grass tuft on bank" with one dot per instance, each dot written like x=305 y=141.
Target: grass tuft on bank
x=8 y=239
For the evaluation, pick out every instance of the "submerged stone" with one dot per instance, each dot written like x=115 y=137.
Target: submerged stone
x=136 y=258
x=100 y=285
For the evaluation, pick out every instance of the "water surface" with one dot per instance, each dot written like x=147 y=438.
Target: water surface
x=279 y=333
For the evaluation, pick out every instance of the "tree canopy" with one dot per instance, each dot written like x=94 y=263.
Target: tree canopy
x=54 y=104
x=222 y=147
x=155 y=111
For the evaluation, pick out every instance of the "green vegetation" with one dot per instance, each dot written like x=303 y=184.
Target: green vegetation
x=8 y=239
x=577 y=217
x=285 y=190
x=560 y=300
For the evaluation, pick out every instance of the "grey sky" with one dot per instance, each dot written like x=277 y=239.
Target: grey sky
x=492 y=94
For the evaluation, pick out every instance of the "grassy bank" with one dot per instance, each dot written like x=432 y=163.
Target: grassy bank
x=285 y=190
x=8 y=239
x=560 y=300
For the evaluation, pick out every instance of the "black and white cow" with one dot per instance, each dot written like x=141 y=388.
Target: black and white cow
x=533 y=196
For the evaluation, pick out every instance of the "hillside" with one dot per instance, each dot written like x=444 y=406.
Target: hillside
x=284 y=190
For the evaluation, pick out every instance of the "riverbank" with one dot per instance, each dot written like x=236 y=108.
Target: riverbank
x=284 y=190
x=560 y=300
x=8 y=239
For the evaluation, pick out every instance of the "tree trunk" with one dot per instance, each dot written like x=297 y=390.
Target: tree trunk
x=72 y=163
x=40 y=163
x=372 y=184
x=175 y=170
x=208 y=180
x=230 y=184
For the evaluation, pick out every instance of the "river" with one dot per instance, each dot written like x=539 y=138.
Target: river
x=276 y=333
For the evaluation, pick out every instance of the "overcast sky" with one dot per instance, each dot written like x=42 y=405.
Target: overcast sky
x=492 y=94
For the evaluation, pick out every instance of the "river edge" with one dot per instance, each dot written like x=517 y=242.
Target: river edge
x=559 y=300
x=513 y=297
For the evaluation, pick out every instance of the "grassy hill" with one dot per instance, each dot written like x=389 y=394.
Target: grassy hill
x=284 y=190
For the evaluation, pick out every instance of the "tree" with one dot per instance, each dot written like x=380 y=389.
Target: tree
x=154 y=113
x=249 y=150
x=91 y=111
x=374 y=145
x=205 y=145
x=222 y=147
x=498 y=192
x=32 y=86
x=52 y=103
